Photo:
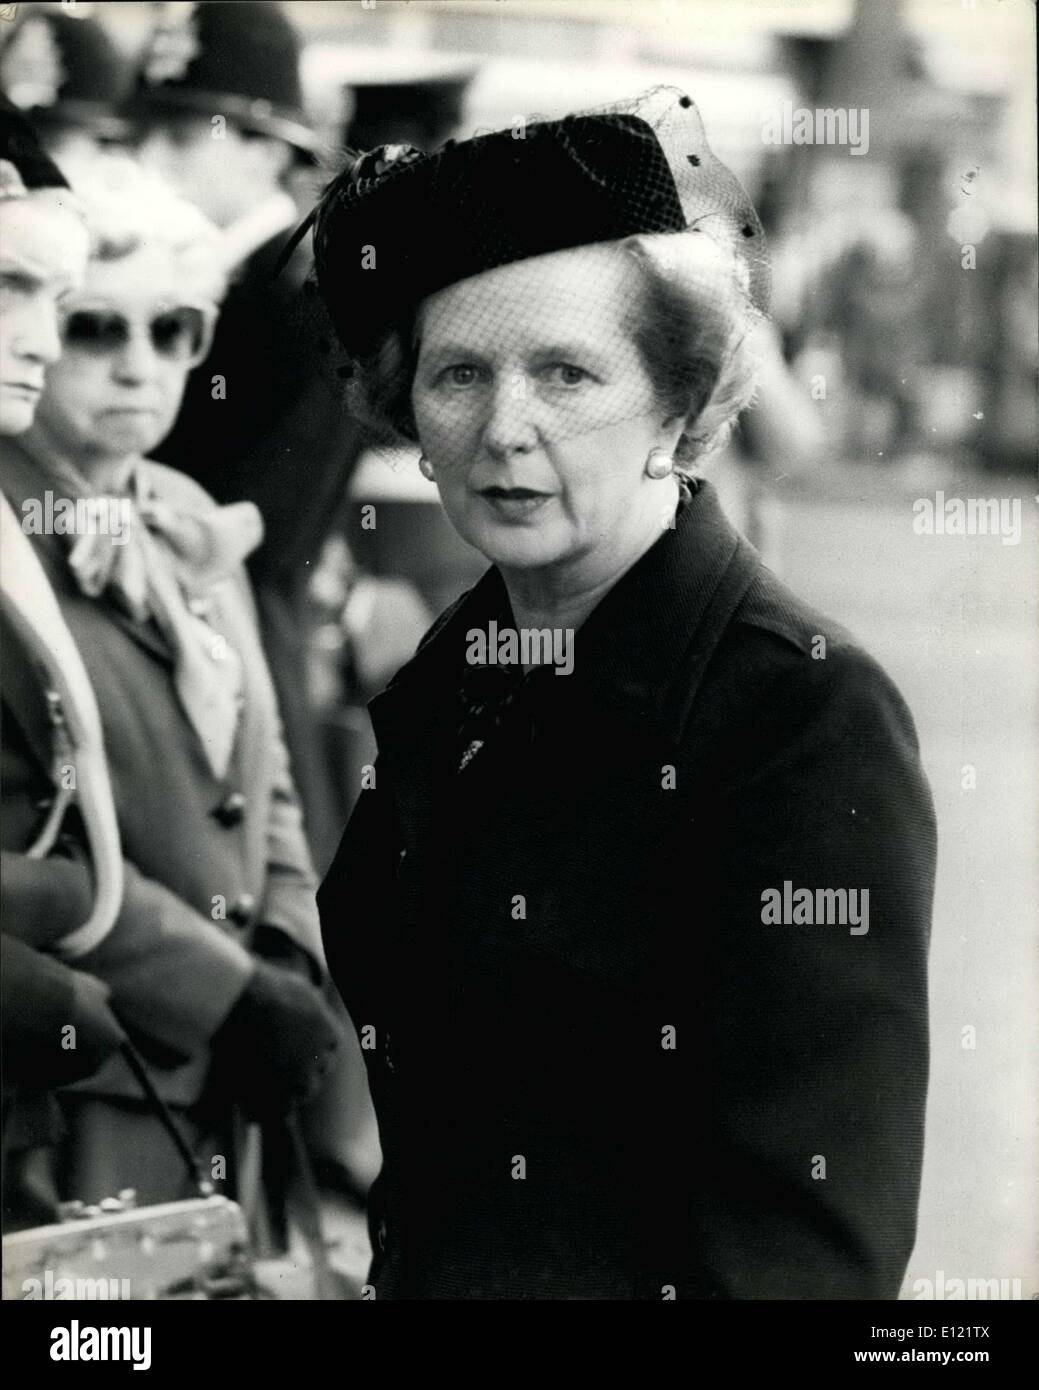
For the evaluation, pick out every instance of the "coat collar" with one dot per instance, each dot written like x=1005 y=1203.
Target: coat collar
x=640 y=655
x=21 y=480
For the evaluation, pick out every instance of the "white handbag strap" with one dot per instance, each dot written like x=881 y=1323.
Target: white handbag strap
x=33 y=609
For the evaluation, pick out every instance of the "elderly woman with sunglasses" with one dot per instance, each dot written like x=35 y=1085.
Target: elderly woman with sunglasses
x=215 y=965
x=632 y=913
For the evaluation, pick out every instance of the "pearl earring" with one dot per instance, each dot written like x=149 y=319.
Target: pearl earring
x=425 y=467
x=659 y=463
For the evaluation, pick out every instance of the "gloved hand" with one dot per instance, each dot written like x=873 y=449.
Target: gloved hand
x=277 y=1042
x=41 y=998
x=98 y=1032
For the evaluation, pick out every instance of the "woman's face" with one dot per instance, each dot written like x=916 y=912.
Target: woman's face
x=43 y=252
x=116 y=391
x=535 y=411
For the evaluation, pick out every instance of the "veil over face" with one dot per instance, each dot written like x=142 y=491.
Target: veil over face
x=535 y=410
x=399 y=226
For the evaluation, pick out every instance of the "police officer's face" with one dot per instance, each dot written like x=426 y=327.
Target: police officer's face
x=130 y=338
x=212 y=164
x=43 y=250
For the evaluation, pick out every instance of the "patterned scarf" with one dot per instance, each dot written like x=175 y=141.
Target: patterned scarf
x=163 y=567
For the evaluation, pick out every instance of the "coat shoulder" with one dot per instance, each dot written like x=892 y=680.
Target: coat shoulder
x=782 y=662
x=769 y=606
x=802 y=646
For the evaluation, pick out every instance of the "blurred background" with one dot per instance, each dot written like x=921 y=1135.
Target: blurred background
x=901 y=364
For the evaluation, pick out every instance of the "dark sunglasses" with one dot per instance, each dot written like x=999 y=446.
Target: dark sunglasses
x=180 y=335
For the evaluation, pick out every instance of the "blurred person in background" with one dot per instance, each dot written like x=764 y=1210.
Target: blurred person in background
x=219 y=114
x=780 y=441
x=602 y=1066
x=61 y=68
x=43 y=251
x=873 y=296
x=217 y=964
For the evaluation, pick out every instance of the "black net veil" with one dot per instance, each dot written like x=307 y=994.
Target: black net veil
x=548 y=281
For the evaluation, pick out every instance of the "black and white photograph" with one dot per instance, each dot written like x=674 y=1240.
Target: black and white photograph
x=519 y=665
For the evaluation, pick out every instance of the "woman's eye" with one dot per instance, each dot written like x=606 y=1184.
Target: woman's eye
x=566 y=374
x=15 y=283
x=459 y=374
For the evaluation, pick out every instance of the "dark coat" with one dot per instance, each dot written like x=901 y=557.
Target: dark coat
x=496 y=1036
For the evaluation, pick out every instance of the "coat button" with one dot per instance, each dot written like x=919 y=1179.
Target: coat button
x=381 y=1234
x=241 y=910
x=231 y=810
x=391 y=1065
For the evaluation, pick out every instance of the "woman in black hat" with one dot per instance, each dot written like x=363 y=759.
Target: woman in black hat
x=632 y=915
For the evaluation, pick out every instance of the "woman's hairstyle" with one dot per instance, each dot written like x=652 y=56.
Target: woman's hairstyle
x=127 y=209
x=692 y=320
x=695 y=328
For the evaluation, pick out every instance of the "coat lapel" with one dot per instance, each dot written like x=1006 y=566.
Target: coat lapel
x=642 y=653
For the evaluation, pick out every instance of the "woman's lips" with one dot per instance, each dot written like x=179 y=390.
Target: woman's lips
x=128 y=412
x=514 y=503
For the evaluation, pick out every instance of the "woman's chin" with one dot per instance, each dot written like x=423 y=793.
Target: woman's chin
x=528 y=547
x=16 y=415
x=132 y=436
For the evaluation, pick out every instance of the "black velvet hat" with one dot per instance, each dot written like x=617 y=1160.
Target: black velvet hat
x=24 y=165
x=397 y=225
x=240 y=61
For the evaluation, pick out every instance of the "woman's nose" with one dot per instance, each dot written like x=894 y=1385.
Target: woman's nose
x=509 y=427
x=40 y=341
x=136 y=360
